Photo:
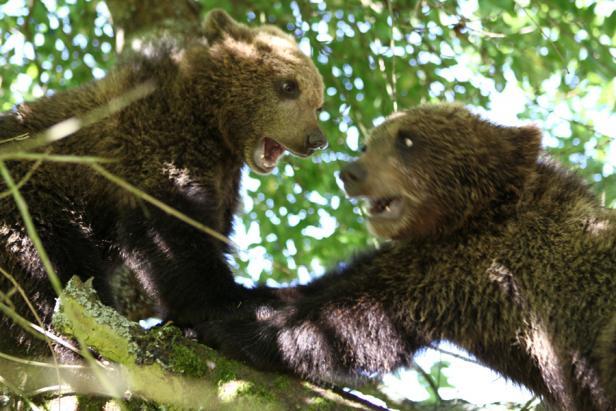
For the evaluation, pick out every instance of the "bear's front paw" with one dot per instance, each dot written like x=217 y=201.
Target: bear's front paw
x=209 y=333
x=189 y=318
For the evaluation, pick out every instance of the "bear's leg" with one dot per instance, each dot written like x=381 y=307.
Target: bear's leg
x=606 y=353
x=71 y=252
x=340 y=327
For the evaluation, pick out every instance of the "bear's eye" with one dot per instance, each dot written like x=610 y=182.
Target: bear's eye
x=363 y=148
x=406 y=139
x=289 y=88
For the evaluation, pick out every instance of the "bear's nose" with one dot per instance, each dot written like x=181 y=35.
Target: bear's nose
x=353 y=173
x=316 y=140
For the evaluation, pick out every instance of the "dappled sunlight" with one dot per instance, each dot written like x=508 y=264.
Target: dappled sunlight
x=470 y=381
x=542 y=347
x=516 y=63
x=597 y=227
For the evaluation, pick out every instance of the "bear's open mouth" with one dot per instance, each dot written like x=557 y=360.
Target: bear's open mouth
x=268 y=153
x=384 y=207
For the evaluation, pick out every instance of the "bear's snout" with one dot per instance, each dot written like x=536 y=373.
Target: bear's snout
x=316 y=140
x=353 y=175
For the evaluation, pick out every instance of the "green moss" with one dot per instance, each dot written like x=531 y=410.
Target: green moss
x=183 y=359
x=166 y=333
x=224 y=375
x=224 y=370
x=231 y=390
x=153 y=357
x=92 y=403
x=158 y=344
x=259 y=392
x=249 y=392
x=319 y=404
x=281 y=383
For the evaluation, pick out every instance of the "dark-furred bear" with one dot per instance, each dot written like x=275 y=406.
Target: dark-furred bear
x=224 y=97
x=494 y=248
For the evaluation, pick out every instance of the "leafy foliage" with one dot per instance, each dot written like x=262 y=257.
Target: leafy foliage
x=379 y=56
x=552 y=62
x=434 y=380
x=375 y=57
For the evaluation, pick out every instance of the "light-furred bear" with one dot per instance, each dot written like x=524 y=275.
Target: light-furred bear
x=224 y=97
x=494 y=248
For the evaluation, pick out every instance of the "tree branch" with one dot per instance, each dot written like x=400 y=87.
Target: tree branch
x=161 y=365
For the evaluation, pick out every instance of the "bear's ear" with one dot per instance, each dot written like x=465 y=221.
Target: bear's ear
x=218 y=23
x=529 y=138
x=526 y=141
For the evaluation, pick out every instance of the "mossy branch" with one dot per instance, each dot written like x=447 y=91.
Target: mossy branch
x=162 y=366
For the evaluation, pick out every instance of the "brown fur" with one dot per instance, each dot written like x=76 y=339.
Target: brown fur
x=497 y=249
x=217 y=96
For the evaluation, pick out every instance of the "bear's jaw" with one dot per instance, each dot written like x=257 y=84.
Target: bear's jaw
x=267 y=154
x=387 y=208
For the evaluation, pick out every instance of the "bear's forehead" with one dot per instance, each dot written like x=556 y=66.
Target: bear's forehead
x=303 y=70
x=277 y=49
x=311 y=84
x=389 y=128
x=423 y=119
x=280 y=44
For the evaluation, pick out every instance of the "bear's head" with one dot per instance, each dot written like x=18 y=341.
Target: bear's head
x=427 y=171
x=266 y=93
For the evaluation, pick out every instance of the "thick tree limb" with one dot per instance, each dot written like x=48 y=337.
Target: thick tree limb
x=162 y=366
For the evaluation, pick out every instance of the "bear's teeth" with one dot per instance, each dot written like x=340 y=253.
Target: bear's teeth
x=268 y=163
x=385 y=207
x=272 y=151
x=267 y=154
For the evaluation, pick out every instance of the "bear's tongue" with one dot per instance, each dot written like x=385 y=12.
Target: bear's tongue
x=271 y=150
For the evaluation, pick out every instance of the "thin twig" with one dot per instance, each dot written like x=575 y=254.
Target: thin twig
x=572 y=121
x=545 y=36
x=56 y=158
x=159 y=204
x=433 y=385
x=24 y=179
x=32 y=233
x=34 y=329
x=19 y=392
x=458 y=356
x=357 y=399
x=392 y=45
x=29 y=35
x=60 y=390
x=69 y=126
x=347 y=395
x=5 y=297
x=39 y=363
x=528 y=403
x=37 y=318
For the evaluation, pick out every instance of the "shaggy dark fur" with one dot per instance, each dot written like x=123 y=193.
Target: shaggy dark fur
x=218 y=95
x=496 y=249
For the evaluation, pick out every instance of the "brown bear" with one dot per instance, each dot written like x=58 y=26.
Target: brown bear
x=224 y=97
x=494 y=248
